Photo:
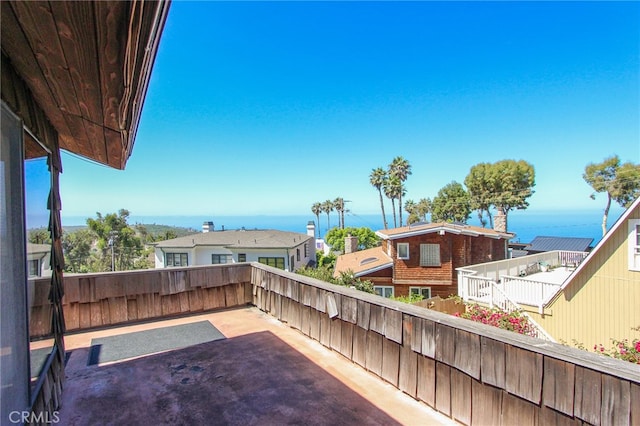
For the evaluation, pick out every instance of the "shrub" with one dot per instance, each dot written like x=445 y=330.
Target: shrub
x=512 y=321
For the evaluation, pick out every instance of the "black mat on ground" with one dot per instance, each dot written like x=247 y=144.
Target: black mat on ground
x=38 y=358
x=130 y=345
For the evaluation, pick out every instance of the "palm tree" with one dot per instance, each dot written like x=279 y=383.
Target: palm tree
x=401 y=169
x=377 y=178
x=316 y=209
x=327 y=207
x=338 y=204
x=392 y=189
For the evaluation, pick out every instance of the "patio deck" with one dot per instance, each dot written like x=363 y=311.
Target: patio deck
x=264 y=372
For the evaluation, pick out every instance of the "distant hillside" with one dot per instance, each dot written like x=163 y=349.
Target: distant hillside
x=152 y=229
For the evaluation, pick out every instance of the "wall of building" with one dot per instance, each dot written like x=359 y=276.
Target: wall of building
x=602 y=301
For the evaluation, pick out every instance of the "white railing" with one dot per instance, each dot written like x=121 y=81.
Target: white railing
x=527 y=291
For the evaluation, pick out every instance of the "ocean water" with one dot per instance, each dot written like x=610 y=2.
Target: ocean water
x=526 y=224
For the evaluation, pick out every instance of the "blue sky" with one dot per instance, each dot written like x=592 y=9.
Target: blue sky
x=266 y=108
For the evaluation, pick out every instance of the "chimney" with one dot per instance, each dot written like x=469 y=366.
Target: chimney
x=208 y=227
x=311 y=229
x=350 y=244
x=500 y=221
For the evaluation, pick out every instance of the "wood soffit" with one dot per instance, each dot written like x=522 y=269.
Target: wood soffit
x=87 y=65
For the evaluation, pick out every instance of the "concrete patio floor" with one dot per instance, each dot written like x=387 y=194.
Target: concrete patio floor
x=263 y=373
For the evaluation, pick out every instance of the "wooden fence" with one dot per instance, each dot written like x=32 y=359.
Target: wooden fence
x=473 y=373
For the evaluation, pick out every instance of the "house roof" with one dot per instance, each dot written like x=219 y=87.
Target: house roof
x=87 y=65
x=559 y=243
x=363 y=262
x=38 y=248
x=247 y=239
x=430 y=228
x=622 y=220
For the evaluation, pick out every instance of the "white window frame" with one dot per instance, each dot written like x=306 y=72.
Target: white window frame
x=428 y=258
x=634 y=245
x=382 y=289
x=419 y=290
x=34 y=268
x=173 y=255
x=406 y=247
x=223 y=259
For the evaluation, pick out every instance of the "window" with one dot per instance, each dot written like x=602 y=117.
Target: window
x=306 y=250
x=298 y=255
x=403 y=250
x=276 y=262
x=425 y=292
x=242 y=257
x=34 y=268
x=634 y=244
x=383 y=290
x=429 y=254
x=177 y=259
x=220 y=258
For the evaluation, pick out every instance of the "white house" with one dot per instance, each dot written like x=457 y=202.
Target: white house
x=281 y=249
x=39 y=260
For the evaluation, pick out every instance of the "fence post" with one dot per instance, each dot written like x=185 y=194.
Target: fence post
x=490 y=294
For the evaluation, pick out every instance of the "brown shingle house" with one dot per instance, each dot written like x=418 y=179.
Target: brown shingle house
x=422 y=258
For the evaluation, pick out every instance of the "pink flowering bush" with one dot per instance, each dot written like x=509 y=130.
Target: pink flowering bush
x=513 y=321
x=621 y=349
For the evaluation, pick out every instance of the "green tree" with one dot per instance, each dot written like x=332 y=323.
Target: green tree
x=512 y=183
x=78 y=255
x=401 y=169
x=327 y=207
x=366 y=238
x=451 y=204
x=338 y=204
x=480 y=188
x=114 y=235
x=345 y=279
x=39 y=236
x=393 y=190
x=316 y=209
x=417 y=211
x=621 y=182
x=378 y=178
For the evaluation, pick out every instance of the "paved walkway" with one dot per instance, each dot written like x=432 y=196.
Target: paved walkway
x=263 y=373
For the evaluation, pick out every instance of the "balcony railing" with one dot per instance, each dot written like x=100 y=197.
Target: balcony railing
x=473 y=373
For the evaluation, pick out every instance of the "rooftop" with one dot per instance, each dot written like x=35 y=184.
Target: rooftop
x=559 y=243
x=363 y=261
x=429 y=228
x=261 y=372
x=264 y=238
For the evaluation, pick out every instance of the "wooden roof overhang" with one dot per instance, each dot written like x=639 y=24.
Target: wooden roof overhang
x=81 y=69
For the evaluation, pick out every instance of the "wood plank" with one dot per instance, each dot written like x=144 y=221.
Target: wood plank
x=426 y=383
x=284 y=308
x=314 y=324
x=184 y=302
x=549 y=416
x=516 y=411
x=443 y=388
x=305 y=295
x=460 y=396
x=349 y=312
x=374 y=353
x=132 y=309
x=106 y=314
x=467 y=353
x=493 y=358
x=408 y=372
x=321 y=301
x=376 y=319
x=196 y=300
x=313 y=297
x=346 y=344
x=486 y=404
x=230 y=296
x=72 y=315
x=558 y=386
x=305 y=319
x=635 y=404
x=588 y=395
x=294 y=314
x=336 y=334
x=359 y=355
x=219 y=297
x=445 y=344
x=364 y=313
x=71 y=290
x=416 y=335
x=325 y=330
x=96 y=314
x=332 y=306
x=393 y=325
x=428 y=338
x=390 y=361
x=524 y=374
x=616 y=401
x=276 y=305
